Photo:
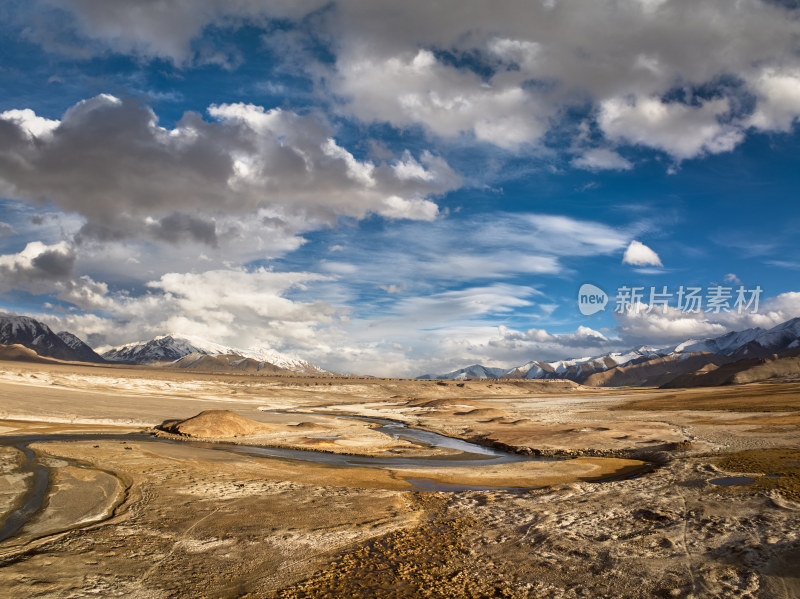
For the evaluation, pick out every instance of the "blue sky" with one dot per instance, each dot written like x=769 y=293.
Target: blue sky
x=396 y=189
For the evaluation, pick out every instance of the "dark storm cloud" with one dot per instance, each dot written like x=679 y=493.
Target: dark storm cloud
x=178 y=227
x=109 y=161
x=37 y=268
x=54 y=264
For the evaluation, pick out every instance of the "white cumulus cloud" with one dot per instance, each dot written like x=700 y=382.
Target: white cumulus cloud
x=504 y=74
x=681 y=130
x=109 y=161
x=638 y=254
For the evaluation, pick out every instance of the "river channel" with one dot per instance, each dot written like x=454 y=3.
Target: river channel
x=468 y=454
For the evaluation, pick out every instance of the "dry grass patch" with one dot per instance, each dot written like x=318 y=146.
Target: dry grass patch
x=757 y=397
x=783 y=462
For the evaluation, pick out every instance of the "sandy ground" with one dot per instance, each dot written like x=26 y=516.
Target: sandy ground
x=137 y=518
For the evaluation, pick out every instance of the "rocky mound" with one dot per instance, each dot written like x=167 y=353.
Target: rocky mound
x=311 y=426
x=216 y=424
x=484 y=413
x=440 y=403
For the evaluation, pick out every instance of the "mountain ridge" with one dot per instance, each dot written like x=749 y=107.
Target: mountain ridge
x=173 y=347
x=680 y=359
x=226 y=363
x=35 y=335
x=30 y=333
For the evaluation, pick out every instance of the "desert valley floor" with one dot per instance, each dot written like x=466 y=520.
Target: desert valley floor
x=589 y=492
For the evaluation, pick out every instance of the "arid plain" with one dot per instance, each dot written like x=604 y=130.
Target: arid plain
x=606 y=493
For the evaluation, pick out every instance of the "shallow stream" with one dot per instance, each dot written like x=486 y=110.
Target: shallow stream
x=470 y=454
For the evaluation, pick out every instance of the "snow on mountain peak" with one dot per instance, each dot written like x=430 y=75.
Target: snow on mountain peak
x=175 y=346
x=747 y=342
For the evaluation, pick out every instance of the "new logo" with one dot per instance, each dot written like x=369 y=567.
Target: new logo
x=591 y=299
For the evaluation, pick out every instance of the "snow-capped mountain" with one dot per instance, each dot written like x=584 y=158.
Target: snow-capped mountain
x=725 y=344
x=37 y=336
x=165 y=348
x=476 y=371
x=168 y=348
x=579 y=368
x=748 y=343
x=83 y=353
x=755 y=342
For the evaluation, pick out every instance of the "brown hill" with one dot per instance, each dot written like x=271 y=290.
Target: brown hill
x=225 y=363
x=777 y=368
x=655 y=372
x=20 y=353
x=216 y=424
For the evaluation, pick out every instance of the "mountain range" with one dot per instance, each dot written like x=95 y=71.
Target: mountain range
x=31 y=333
x=183 y=351
x=649 y=366
x=169 y=348
x=736 y=357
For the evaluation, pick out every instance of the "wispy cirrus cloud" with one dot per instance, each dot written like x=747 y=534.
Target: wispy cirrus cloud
x=424 y=256
x=413 y=285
